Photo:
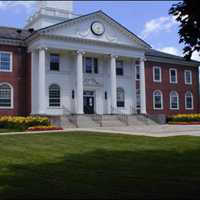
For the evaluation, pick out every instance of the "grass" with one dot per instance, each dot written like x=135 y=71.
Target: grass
x=99 y=166
x=2 y=130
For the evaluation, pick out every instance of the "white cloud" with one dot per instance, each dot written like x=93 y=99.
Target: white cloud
x=16 y=5
x=196 y=56
x=171 y=50
x=177 y=52
x=157 y=25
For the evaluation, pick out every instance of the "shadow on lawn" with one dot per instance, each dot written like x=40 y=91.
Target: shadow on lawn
x=104 y=174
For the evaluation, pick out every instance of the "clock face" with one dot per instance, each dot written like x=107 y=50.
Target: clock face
x=97 y=28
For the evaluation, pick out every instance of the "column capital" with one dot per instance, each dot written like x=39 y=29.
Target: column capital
x=43 y=48
x=143 y=59
x=113 y=56
x=80 y=52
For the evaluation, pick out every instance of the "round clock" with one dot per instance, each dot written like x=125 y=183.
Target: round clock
x=97 y=28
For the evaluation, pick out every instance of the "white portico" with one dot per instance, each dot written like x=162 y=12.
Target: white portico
x=86 y=65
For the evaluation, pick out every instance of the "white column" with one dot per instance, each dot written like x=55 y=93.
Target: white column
x=113 y=83
x=41 y=82
x=79 y=83
x=142 y=87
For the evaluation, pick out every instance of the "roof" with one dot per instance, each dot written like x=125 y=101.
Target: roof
x=152 y=54
x=12 y=33
x=93 y=13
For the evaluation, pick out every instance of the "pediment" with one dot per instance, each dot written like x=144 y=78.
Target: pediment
x=81 y=28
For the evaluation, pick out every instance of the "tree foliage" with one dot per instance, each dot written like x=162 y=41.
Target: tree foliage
x=187 y=13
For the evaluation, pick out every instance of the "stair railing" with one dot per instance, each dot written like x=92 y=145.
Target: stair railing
x=121 y=116
x=72 y=118
x=97 y=118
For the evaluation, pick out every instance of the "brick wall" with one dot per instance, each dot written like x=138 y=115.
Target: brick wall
x=166 y=88
x=18 y=79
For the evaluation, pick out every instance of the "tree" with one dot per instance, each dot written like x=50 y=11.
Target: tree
x=187 y=13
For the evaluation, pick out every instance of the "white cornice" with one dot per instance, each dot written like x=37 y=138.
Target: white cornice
x=12 y=42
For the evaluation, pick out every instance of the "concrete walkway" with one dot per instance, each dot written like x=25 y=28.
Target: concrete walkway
x=149 y=130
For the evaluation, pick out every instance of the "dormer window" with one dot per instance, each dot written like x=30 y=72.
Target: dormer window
x=54 y=62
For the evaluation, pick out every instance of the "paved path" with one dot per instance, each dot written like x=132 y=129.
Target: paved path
x=150 y=130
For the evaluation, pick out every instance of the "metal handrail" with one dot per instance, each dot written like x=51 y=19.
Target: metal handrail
x=121 y=116
x=97 y=118
x=72 y=118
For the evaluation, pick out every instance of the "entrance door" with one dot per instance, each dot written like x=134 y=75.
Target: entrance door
x=88 y=102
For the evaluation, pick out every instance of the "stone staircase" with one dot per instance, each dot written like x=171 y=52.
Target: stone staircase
x=92 y=121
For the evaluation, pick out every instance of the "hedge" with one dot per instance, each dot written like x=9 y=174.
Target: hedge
x=184 y=118
x=22 y=123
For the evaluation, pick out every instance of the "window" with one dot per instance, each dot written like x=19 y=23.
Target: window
x=120 y=97
x=173 y=75
x=119 y=67
x=137 y=72
x=54 y=96
x=6 y=96
x=156 y=74
x=188 y=101
x=54 y=62
x=90 y=65
x=5 y=61
x=174 y=100
x=157 y=100
x=188 y=77
x=138 y=99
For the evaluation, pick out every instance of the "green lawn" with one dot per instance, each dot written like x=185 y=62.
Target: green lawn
x=99 y=166
x=2 y=130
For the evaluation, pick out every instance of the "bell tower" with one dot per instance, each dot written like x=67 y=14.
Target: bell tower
x=50 y=12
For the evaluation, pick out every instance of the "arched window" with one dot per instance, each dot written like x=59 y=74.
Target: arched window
x=174 y=100
x=6 y=95
x=157 y=100
x=54 y=96
x=120 y=97
x=188 y=101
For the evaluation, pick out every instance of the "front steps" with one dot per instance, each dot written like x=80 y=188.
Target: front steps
x=93 y=121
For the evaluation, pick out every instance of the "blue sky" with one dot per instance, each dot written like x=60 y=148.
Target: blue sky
x=147 y=19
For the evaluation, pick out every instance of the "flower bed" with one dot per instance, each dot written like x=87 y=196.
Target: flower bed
x=184 y=119
x=22 y=123
x=44 y=128
x=184 y=123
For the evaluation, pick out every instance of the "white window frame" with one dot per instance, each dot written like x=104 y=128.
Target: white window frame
x=170 y=100
x=161 y=94
x=160 y=71
x=170 y=77
x=54 y=107
x=137 y=66
x=185 y=72
x=186 y=101
x=11 y=61
x=12 y=96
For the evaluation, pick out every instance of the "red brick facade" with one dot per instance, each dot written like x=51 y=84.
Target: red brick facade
x=166 y=87
x=19 y=79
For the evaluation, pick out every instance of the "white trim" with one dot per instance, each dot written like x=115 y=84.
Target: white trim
x=11 y=61
x=12 y=96
x=160 y=71
x=61 y=98
x=170 y=77
x=192 y=101
x=161 y=100
x=170 y=102
x=188 y=83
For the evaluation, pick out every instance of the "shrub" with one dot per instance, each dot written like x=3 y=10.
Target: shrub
x=22 y=123
x=184 y=118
